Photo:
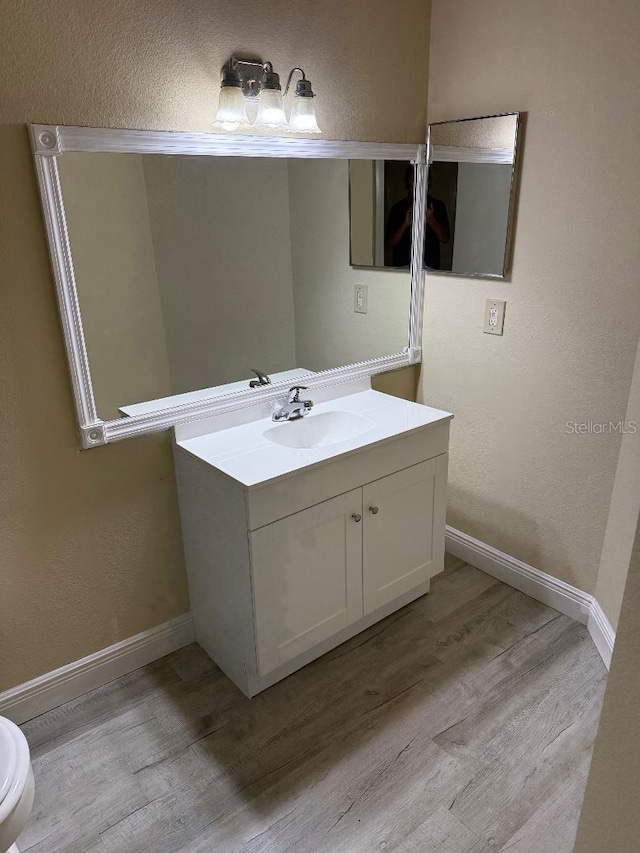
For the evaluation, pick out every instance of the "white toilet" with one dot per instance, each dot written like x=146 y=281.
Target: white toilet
x=16 y=784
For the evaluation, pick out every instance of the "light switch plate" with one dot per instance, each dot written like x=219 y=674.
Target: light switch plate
x=360 y=298
x=494 y=316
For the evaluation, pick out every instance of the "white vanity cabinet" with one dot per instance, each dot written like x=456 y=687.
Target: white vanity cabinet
x=307 y=578
x=403 y=532
x=322 y=569
x=285 y=568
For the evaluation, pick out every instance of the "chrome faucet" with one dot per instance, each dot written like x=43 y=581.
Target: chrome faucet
x=262 y=379
x=294 y=408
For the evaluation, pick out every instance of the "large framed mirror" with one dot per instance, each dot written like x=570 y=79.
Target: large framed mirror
x=471 y=196
x=199 y=273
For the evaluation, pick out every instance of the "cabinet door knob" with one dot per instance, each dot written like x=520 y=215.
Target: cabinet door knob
x=374 y=510
x=356 y=517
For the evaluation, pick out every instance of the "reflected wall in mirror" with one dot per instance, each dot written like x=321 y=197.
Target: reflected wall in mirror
x=191 y=270
x=381 y=198
x=471 y=187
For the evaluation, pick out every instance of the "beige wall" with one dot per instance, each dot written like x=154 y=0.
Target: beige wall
x=329 y=332
x=90 y=542
x=494 y=132
x=105 y=203
x=624 y=510
x=220 y=230
x=399 y=383
x=610 y=820
x=517 y=479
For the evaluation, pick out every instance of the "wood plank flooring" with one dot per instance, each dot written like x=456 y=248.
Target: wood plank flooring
x=462 y=723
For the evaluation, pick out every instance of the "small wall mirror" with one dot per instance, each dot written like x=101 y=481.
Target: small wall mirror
x=185 y=261
x=470 y=200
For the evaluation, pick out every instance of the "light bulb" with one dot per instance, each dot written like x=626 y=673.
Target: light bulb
x=232 y=112
x=303 y=115
x=270 y=109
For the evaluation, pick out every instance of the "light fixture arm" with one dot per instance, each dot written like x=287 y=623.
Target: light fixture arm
x=291 y=73
x=303 y=86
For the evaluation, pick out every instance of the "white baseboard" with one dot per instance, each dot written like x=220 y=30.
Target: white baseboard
x=35 y=697
x=28 y=700
x=601 y=632
x=561 y=596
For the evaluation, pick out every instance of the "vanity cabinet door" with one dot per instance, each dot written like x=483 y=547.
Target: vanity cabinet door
x=403 y=534
x=307 y=578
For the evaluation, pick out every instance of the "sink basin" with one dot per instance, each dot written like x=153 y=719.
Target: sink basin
x=319 y=430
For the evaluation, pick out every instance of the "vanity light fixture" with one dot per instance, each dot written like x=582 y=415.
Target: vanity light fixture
x=232 y=111
x=250 y=81
x=303 y=112
x=270 y=105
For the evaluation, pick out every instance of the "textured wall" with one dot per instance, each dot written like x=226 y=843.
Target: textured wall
x=610 y=819
x=400 y=383
x=495 y=132
x=518 y=479
x=90 y=542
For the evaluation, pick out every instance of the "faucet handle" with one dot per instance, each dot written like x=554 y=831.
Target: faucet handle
x=294 y=393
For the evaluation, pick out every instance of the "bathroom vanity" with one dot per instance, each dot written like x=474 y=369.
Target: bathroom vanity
x=199 y=276
x=300 y=534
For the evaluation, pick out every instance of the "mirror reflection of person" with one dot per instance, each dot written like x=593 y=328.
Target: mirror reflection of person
x=400 y=221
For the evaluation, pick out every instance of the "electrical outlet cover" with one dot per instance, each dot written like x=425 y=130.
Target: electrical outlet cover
x=360 y=298
x=494 y=316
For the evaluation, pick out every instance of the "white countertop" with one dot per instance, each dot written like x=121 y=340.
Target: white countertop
x=244 y=454
x=207 y=393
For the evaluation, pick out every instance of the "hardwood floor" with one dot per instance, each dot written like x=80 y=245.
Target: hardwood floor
x=462 y=723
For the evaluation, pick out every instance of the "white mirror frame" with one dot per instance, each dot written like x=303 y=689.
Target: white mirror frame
x=49 y=142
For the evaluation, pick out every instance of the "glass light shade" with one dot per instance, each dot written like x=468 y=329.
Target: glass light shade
x=232 y=112
x=303 y=115
x=270 y=109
